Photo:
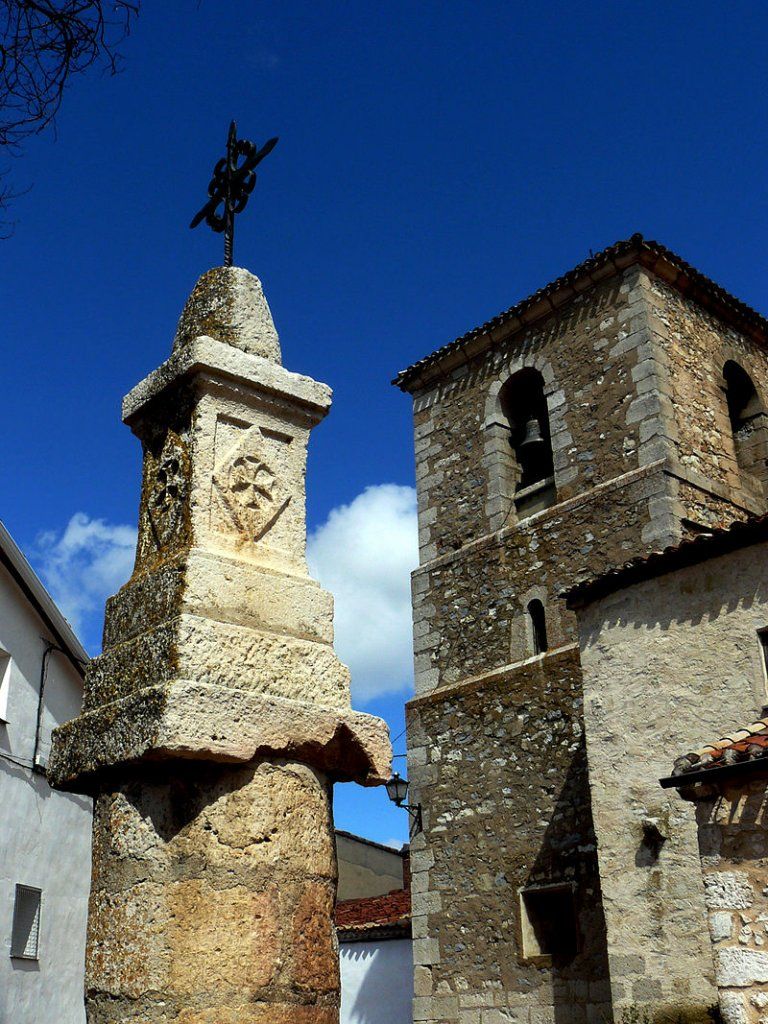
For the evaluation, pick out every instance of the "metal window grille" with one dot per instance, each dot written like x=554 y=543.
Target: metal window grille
x=25 y=938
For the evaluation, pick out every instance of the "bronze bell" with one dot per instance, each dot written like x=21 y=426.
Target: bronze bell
x=533 y=438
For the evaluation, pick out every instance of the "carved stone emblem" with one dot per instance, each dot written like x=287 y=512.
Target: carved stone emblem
x=166 y=501
x=250 y=489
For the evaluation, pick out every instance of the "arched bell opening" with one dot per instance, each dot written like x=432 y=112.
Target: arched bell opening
x=524 y=406
x=749 y=423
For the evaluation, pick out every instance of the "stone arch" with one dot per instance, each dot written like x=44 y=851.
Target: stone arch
x=514 y=491
x=748 y=422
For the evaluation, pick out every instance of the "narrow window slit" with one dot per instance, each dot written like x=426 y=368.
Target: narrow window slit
x=538 y=619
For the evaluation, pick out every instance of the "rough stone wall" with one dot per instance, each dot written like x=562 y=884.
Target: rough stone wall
x=702 y=508
x=694 y=347
x=470 y=606
x=226 y=878
x=669 y=664
x=586 y=355
x=504 y=764
x=734 y=854
x=628 y=480
x=614 y=402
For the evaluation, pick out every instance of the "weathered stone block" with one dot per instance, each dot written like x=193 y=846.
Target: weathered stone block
x=720 y=926
x=190 y=720
x=728 y=890
x=733 y=1008
x=736 y=967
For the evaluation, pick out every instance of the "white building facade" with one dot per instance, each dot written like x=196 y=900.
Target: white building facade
x=376 y=955
x=45 y=835
x=376 y=981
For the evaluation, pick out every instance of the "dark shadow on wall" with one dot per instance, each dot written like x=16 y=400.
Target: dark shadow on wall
x=567 y=862
x=735 y=829
x=672 y=606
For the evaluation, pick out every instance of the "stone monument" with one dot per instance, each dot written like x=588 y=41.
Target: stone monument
x=218 y=715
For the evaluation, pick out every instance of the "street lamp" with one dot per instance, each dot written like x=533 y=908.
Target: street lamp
x=397 y=791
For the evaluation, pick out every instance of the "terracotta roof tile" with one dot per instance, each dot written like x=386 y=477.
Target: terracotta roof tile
x=612 y=260
x=374 y=912
x=747 y=744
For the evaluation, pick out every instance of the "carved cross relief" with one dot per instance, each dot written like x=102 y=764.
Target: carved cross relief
x=249 y=486
x=165 y=506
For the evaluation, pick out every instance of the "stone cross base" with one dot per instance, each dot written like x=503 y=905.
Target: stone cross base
x=212 y=898
x=218 y=714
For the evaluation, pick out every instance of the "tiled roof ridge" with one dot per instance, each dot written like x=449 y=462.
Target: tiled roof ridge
x=633 y=249
x=718 y=540
x=746 y=744
x=391 y=908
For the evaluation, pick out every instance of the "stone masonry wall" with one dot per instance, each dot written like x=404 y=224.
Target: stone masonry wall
x=504 y=764
x=733 y=839
x=470 y=606
x=586 y=356
x=693 y=349
x=618 y=381
x=669 y=664
x=623 y=489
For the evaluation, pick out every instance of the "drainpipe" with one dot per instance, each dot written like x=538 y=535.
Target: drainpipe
x=38 y=764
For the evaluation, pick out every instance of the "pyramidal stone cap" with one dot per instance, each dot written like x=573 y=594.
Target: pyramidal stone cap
x=228 y=304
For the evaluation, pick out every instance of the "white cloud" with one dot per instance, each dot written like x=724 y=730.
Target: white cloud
x=364 y=554
x=83 y=565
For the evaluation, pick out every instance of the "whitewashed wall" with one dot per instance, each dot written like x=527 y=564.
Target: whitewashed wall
x=669 y=664
x=45 y=836
x=366 y=868
x=376 y=982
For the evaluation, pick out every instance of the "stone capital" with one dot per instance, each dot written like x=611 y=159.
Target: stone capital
x=220 y=362
x=186 y=719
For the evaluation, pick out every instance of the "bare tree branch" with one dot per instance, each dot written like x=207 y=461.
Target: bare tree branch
x=43 y=44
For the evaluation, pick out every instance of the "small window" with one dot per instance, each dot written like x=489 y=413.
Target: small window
x=26 y=923
x=5 y=684
x=538 y=621
x=548 y=919
x=762 y=636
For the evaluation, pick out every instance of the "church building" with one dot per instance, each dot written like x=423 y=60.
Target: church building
x=616 y=412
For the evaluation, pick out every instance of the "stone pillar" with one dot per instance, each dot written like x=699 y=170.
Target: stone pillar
x=218 y=716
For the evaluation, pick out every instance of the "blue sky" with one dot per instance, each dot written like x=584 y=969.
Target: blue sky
x=437 y=162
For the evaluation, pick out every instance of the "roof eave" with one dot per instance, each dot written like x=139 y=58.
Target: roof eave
x=31 y=585
x=754 y=769
x=615 y=259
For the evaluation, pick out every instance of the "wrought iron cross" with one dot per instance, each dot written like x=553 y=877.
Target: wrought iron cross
x=232 y=182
